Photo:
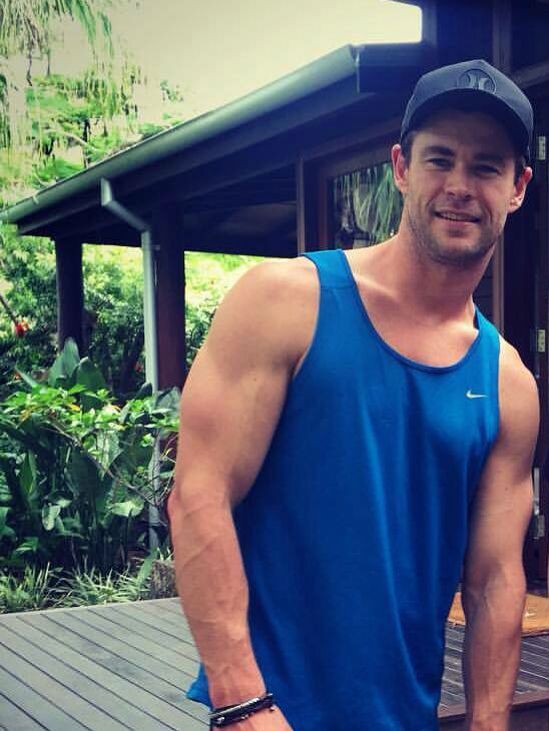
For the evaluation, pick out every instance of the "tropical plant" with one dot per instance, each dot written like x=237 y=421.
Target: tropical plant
x=31 y=590
x=85 y=587
x=76 y=466
x=368 y=206
x=30 y=28
x=113 y=311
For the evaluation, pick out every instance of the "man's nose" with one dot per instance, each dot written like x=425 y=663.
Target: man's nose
x=458 y=182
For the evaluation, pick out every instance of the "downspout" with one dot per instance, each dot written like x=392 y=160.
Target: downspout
x=109 y=202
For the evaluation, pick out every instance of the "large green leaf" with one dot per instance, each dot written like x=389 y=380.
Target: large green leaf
x=29 y=380
x=22 y=435
x=108 y=448
x=129 y=508
x=66 y=363
x=50 y=513
x=89 y=376
x=168 y=399
x=5 y=530
x=132 y=456
x=86 y=480
x=27 y=480
x=29 y=545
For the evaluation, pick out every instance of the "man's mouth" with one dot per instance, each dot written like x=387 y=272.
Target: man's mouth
x=457 y=216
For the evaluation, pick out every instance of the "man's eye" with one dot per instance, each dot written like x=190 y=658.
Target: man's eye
x=439 y=162
x=487 y=170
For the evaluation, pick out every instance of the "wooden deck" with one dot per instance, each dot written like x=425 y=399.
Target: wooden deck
x=124 y=666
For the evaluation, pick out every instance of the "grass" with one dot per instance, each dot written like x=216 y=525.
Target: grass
x=85 y=588
x=33 y=590
x=51 y=588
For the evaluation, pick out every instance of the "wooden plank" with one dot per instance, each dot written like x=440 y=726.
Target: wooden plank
x=165 y=701
x=106 y=671
x=175 y=621
x=48 y=656
x=174 y=615
x=13 y=718
x=34 y=704
x=26 y=666
x=125 y=652
x=159 y=619
x=156 y=629
x=173 y=604
x=160 y=650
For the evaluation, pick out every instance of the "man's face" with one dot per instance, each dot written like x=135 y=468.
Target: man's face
x=459 y=186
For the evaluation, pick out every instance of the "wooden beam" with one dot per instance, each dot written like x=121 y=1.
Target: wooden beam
x=532 y=75
x=167 y=238
x=502 y=35
x=115 y=233
x=256 y=246
x=70 y=292
x=307 y=206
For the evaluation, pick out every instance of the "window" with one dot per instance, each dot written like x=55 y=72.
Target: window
x=366 y=206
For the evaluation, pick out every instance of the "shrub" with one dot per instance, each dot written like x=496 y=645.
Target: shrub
x=76 y=466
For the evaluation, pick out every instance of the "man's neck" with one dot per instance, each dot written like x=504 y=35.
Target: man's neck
x=424 y=288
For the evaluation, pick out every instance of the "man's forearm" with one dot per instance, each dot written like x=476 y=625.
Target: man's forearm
x=491 y=654
x=213 y=590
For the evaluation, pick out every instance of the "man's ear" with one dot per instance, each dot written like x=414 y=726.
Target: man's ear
x=520 y=189
x=400 y=169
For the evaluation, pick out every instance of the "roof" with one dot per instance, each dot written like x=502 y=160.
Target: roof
x=240 y=156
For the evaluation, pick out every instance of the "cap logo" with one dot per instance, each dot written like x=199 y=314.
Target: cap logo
x=477 y=79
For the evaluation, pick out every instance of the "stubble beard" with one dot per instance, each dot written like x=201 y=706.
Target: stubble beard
x=428 y=245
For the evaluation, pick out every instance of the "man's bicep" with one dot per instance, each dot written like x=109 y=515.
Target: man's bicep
x=499 y=519
x=503 y=504
x=232 y=399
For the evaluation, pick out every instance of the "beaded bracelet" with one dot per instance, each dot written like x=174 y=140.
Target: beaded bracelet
x=226 y=715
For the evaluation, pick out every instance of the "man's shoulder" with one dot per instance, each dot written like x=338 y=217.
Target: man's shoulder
x=518 y=395
x=514 y=375
x=280 y=284
x=270 y=310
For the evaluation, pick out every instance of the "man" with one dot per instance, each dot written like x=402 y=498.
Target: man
x=353 y=434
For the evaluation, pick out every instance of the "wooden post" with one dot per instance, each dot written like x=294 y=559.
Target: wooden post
x=307 y=207
x=70 y=292
x=167 y=238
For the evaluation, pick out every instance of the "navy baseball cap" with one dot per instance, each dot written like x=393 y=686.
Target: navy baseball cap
x=476 y=86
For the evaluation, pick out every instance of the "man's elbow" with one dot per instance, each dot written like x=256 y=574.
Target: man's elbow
x=500 y=596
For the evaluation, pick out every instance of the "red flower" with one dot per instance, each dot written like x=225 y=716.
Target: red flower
x=21 y=328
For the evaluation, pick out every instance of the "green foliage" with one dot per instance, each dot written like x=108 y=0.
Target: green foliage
x=27 y=26
x=114 y=302
x=83 y=588
x=33 y=589
x=113 y=316
x=29 y=265
x=208 y=277
x=31 y=28
x=76 y=466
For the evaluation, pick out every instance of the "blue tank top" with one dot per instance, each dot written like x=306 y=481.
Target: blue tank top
x=353 y=534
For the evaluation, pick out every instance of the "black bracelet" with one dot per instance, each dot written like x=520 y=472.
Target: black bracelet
x=226 y=715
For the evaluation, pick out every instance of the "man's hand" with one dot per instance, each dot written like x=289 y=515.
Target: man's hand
x=271 y=719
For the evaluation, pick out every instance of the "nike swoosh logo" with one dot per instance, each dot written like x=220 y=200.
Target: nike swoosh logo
x=470 y=394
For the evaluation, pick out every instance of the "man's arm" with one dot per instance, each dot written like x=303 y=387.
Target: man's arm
x=230 y=406
x=493 y=582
